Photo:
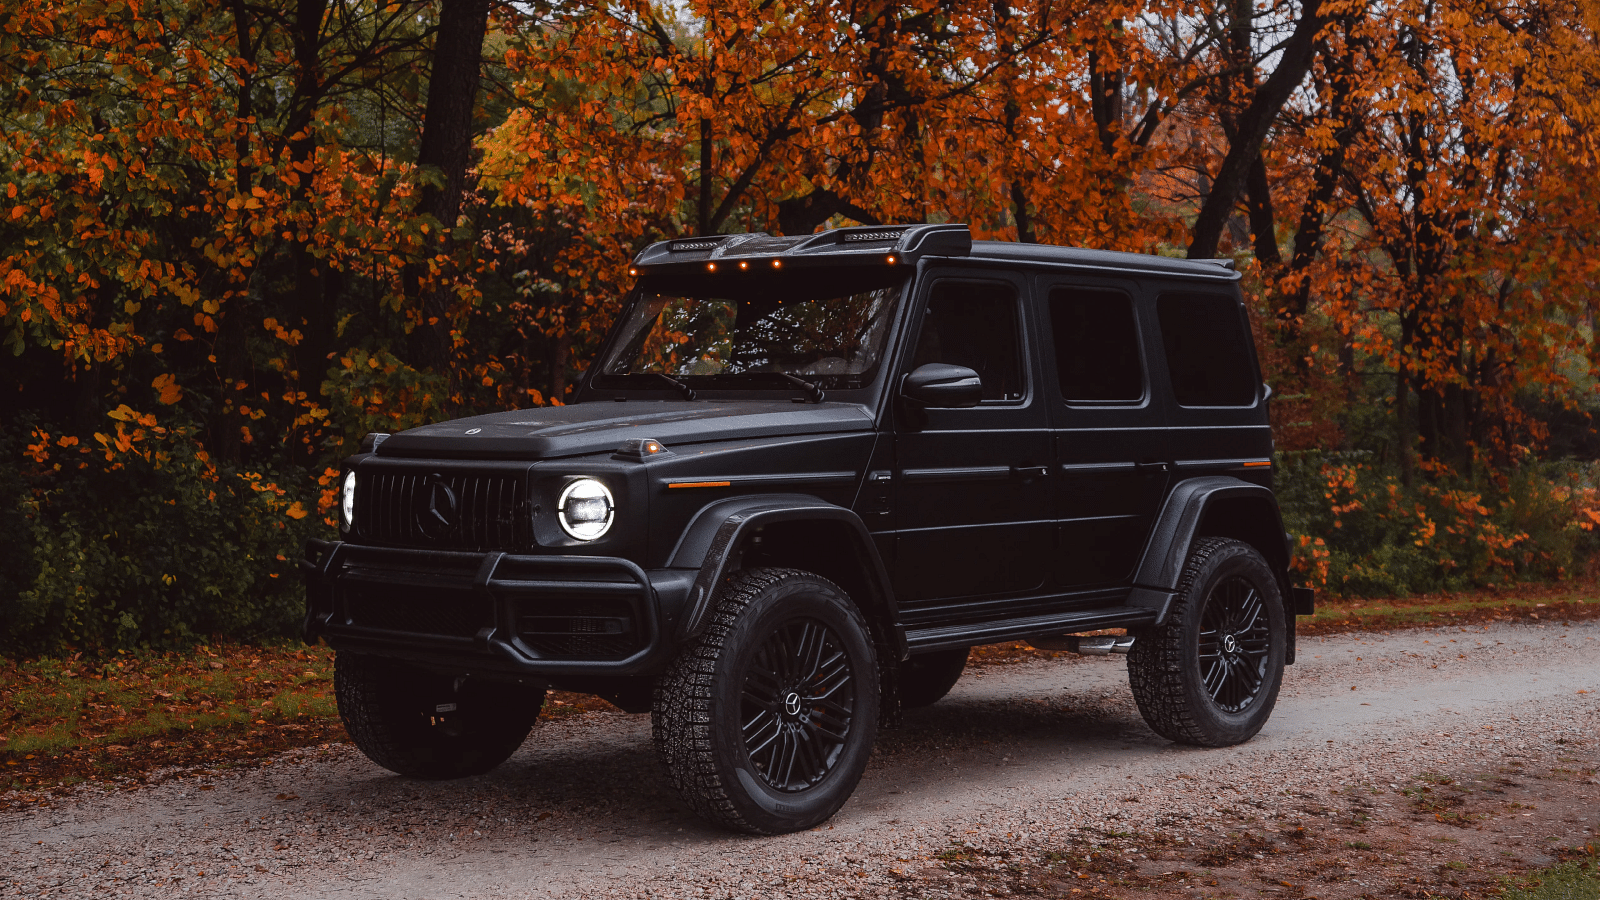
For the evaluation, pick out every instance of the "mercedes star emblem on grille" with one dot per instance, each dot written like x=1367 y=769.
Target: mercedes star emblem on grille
x=436 y=509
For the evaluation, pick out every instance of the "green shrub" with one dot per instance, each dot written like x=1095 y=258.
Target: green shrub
x=150 y=545
x=1360 y=532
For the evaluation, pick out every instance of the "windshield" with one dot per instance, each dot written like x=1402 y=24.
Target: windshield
x=828 y=326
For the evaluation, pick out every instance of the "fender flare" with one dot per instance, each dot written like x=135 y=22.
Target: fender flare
x=712 y=537
x=1178 y=524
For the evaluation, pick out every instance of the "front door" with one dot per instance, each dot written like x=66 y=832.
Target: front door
x=1112 y=456
x=973 y=504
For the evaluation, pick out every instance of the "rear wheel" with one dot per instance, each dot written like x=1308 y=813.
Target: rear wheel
x=766 y=721
x=927 y=677
x=1210 y=674
x=424 y=725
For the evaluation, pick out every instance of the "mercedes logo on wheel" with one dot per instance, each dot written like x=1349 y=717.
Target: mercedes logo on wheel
x=436 y=507
x=791 y=704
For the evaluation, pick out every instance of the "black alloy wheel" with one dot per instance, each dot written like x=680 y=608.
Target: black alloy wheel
x=765 y=722
x=1209 y=674
x=798 y=701
x=1235 y=644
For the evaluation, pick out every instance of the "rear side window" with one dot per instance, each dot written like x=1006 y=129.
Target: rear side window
x=1208 y=349
x=974 y=324
x=1097 y=346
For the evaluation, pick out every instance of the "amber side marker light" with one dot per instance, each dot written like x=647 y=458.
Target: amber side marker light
x=1258 y=462
x=698 y=484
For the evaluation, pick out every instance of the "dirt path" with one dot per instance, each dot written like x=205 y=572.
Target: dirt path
x=1391 y=750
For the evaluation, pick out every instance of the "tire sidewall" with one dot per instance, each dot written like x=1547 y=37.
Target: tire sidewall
x=764 y=808
x=1223 y=727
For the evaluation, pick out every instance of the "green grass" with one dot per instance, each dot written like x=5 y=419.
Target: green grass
x=1521 y=603
x=50 y=705
x=1576 y=879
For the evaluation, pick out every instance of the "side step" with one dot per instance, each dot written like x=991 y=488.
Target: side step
x=921 y=640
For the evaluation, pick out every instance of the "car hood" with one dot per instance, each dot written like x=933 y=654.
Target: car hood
x=597 y=427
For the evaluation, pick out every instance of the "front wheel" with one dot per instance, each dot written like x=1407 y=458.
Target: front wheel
x=1209 y=675
x=766 y=721
x=424 y=725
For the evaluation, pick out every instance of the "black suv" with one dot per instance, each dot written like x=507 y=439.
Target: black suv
x=803 y=478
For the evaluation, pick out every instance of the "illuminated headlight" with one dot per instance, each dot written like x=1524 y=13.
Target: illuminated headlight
x=586 y=509
x=348 y=502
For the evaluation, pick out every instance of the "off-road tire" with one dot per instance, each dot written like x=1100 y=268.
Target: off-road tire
x=401 y=717
x=927 y=677
x=698 y=725
x=1165 y=666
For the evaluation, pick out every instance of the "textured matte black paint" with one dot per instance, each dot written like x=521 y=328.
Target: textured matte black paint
x=1107 y=497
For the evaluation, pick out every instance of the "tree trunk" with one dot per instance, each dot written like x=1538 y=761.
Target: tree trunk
x=1253 y=125
x=446 y=148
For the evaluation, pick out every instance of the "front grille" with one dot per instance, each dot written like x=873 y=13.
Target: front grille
x=418 y=610
x=581 y=629
x=449 y=510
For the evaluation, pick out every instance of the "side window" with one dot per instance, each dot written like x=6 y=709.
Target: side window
x=974 y=324
x=1208 y=349
x=1097 y=346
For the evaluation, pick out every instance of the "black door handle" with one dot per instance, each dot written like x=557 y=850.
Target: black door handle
x=1151 y=467
x=1028 y=473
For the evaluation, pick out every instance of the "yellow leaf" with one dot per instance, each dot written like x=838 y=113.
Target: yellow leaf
x=297 y=511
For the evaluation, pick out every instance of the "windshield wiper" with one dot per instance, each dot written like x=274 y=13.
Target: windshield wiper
x=813 y=390
x=684 y=389
x=814 y=393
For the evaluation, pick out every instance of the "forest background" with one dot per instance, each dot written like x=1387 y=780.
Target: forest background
x=236 y=235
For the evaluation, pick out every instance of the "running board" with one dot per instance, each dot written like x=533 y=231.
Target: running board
x=921 y=640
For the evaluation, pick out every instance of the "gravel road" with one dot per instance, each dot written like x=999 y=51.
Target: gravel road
x=1020 y=757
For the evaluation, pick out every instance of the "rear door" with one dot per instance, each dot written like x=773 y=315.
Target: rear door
x=1110 y=437
x=1217 y=407
x=973 y=502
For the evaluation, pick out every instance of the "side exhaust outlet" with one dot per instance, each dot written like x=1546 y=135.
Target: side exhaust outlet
x=1087 y=646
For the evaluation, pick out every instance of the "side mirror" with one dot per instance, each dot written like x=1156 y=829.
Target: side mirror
x=942 y=386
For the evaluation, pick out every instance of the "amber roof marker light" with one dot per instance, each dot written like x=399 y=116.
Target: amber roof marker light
x=777 y=264
x=711 y=267
x=891 y=259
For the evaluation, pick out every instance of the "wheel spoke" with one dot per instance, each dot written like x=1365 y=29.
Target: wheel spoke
x=1234 y=643
x=790 y=748
x=1215 y=676
x=762 y=738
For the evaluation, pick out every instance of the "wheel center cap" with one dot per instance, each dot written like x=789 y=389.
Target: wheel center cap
x=791 y=703
x=1230 y=644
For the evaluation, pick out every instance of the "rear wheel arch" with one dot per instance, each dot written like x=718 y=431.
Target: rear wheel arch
x=1254 y=520
x=1213 y=506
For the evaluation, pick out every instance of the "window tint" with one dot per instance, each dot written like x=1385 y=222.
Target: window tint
x=974 y=324
x=1097 y=345
x=1208 y=349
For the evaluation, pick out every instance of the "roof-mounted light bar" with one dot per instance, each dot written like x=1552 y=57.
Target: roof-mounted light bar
x=862 y=237
x=694 y=244
x=858 y=245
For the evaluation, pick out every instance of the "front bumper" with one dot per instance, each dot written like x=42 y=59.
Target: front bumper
x=494 y=612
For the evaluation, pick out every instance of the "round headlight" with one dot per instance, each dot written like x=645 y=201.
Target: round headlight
x=586 y=509
x=348 y=506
